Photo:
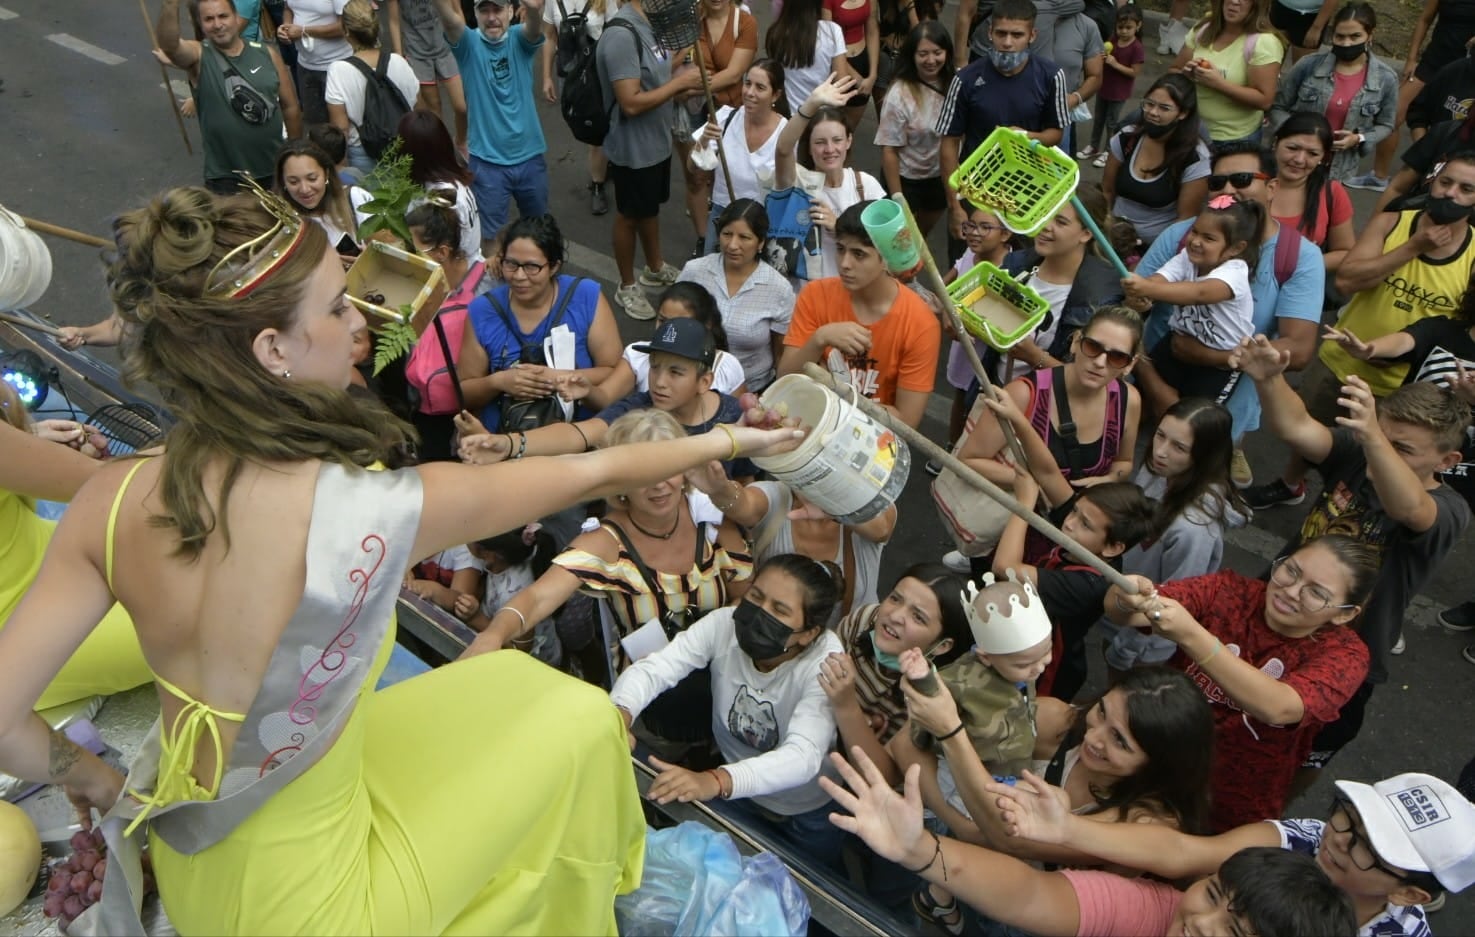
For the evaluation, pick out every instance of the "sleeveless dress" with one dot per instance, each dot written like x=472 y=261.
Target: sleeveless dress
x=490 y=796
x=110 y=660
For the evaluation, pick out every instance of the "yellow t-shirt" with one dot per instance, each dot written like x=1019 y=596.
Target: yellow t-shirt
x=1226 y=119
x=1417 y=290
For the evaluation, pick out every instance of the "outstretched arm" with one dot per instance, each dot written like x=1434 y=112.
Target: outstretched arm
x=451 y=20
x=37 y=468
x=182 y=52
x=999 y=886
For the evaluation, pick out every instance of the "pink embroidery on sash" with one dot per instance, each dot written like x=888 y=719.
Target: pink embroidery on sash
x=275 y=759
x=329 y=664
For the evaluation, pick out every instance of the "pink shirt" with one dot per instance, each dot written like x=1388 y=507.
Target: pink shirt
x=1111 y=904
x=1344 y=87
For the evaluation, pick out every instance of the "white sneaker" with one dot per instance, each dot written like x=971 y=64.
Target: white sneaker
x=632 y=299
x=657 y=278
x=1100 y=161
x=957 y=562
x=1398 y=646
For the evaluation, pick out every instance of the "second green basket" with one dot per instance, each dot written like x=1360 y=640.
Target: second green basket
x=1020 y=180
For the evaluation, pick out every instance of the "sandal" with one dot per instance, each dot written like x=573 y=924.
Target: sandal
x=948 y=916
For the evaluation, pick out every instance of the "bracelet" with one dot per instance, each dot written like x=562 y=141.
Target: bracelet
x=522 y=445
x=936 y=854
x=581 y=436
x=944 y=738
x=1218 y=646
x=736 y=497
x=723 y=791
x=732 y=436
x=520 y=617
x=799 y=112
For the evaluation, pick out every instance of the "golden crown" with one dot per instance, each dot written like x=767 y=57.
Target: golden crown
x=244 y=268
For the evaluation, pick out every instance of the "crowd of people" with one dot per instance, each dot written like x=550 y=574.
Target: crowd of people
x=593 y=510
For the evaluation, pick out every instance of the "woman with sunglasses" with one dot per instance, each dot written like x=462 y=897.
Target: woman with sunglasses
x=502 y=353
x=1274 y=658
x=1087 y=394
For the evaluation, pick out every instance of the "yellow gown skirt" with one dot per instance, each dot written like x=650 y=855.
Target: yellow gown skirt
x=110 y=660
x=490 y=796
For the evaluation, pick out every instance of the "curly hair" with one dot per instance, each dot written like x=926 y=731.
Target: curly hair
x=197 y=351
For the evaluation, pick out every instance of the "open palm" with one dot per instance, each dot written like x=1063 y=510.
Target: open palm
x=888 y=822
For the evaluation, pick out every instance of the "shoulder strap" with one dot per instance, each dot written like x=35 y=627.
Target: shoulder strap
x=1288 y=253
x=728 y=121
x=381 y=68
x=113 y=520
x=563 y=11
x=847 y=567
x=1067 y=424
x=563 y=302
x=363 y=67
x=649 y=577
x=445 y=349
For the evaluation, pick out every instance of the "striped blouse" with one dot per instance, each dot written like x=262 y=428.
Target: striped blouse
x=878 y=689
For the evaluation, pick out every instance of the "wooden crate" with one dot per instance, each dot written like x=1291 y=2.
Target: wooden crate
x=402 y=278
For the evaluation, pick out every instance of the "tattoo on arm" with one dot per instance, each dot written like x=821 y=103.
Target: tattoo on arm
x=64 y=754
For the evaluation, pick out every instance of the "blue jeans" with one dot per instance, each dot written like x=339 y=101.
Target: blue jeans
x=359 y=158
x=494 y=186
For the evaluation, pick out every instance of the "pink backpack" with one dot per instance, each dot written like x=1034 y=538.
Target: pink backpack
x=430 y=369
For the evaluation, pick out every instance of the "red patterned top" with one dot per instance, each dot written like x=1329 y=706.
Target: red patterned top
x=1254 y=762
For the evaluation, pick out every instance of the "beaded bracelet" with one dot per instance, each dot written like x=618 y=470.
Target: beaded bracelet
x=736 y=497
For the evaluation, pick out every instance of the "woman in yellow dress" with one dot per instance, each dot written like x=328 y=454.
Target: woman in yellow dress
x=34 y=468
x=261 y=563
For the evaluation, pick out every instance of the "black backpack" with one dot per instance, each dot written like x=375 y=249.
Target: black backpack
x=574 y=41
x=582 y=100
x=383 y=106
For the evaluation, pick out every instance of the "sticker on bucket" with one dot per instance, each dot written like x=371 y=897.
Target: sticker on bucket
x=849 y=466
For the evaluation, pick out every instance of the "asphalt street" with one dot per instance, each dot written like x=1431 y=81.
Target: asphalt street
x=87 y=133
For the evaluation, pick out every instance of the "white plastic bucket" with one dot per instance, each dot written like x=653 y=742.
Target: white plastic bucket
x=25 y=263
x=849 y=466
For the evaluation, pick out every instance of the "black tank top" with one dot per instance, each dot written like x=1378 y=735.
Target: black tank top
x=1159 y=192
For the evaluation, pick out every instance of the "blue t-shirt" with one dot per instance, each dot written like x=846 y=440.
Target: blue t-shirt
x=504 y=348
x=250 y=11
x=728 y=411
x=1305 y=836
x=501 y=112
x=980 y=99
x=1300 y=298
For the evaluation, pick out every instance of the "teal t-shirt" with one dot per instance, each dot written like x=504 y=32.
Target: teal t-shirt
x=498 y=79
x=250 y=11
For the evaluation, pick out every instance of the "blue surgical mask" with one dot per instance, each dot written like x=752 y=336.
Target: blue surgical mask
x=1008 y=62
x=885 y=660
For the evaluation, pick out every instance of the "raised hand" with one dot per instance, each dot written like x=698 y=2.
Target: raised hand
x=1259 y=358
x=888 y=822
x=1463 y=385
x=1362 y=409
x=837 y=679
x=1032 y=809
x=937 y=714
x=1350 y=343
x=834 y=91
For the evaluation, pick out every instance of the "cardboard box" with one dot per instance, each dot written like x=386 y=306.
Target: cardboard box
x=402 y=278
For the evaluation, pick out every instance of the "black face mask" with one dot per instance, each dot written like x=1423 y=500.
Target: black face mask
x=1348 y=53
x=760 y=635
x=1446 y=210
x=1158 y=131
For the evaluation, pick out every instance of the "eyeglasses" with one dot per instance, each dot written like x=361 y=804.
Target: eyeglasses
x=1285 y=572
x=1152 y=107
x=1090 y=348
x=1359 y=850
x=1240 y=180
x=509 y=267
x=979 y=227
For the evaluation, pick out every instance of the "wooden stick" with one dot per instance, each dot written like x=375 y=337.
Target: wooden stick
x=933 y=451
x=164 y=73
x=25 y=323
x=91 y=240
x=712 y=115
x=965 y=339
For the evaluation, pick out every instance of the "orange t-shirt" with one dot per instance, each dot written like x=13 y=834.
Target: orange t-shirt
x=904 y=343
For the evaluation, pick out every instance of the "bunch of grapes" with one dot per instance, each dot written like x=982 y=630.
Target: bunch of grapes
x=75 y=883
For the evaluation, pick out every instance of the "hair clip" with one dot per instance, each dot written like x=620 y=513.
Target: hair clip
x=244 y=268
x=1221 y=202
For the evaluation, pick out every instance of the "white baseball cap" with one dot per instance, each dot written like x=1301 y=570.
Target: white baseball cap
x=1419 y=823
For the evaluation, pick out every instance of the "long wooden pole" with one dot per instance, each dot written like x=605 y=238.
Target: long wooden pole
x=933 y=451
x=712 y=115
x=965 y=339
x=25 y=323
x=44 y=227
x=148 y=21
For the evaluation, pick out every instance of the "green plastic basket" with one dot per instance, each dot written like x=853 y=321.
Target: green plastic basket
x=991 y=288
x=1020 y=180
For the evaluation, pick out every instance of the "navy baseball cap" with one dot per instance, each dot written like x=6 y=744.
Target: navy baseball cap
x=686 y=338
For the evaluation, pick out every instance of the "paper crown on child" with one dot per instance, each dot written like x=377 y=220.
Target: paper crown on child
x=1000 y=631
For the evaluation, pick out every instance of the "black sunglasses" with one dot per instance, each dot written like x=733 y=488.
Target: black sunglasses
x=1090 y=348
x=1240 y=180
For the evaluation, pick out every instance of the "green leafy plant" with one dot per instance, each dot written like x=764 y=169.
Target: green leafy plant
x=392 y=191
x=395 y=340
